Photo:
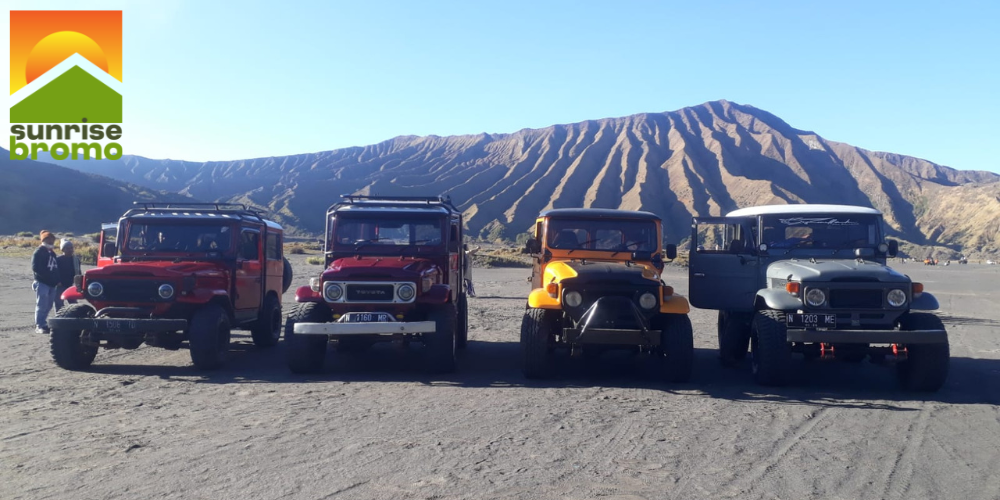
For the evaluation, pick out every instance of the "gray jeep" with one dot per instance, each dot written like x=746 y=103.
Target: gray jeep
x=812 y=279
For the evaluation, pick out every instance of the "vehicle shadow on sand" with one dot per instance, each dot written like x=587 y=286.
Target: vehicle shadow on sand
x=497 y=364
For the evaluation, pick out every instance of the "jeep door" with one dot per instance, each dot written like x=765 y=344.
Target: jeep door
x=724 y=267
x=249 y=272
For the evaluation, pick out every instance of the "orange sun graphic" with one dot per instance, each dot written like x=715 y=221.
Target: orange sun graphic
x=41 y=39
x=56 y=47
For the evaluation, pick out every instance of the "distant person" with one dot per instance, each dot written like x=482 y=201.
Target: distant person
x=45 y=269
x=470 y=288
x=69 y=268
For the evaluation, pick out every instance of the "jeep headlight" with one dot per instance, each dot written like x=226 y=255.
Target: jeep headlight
x=95 y=289
x=896 y=297
x=314 y=283
x=815 y=297
x=333 y=292
x=405 y=292
x=647 y=301
x=573 y=299
x=165 y=291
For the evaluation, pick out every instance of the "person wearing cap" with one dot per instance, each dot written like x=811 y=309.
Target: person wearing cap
x=45 y=269
x=69 y=268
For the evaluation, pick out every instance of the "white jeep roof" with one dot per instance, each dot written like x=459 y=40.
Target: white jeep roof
x=805 y=208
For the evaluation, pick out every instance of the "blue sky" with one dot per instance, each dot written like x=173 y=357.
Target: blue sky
x=228 y=80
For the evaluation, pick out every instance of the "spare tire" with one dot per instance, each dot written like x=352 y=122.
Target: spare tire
x=286 y=275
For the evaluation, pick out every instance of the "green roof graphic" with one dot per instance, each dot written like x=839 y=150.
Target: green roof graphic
x=70 y=98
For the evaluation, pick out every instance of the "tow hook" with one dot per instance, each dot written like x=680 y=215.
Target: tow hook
x=900 y=352
x=826 y=351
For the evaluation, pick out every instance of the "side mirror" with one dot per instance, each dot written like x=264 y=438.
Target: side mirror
x=671 y=251
x=532 y=246
x=109 y=250
x=893 y=248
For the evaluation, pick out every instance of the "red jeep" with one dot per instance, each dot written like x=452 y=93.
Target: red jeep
x=177 y=272
x=394 y=271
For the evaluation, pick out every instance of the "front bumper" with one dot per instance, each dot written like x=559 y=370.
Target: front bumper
x=383 y=328
x=610 y=336
x=118 y=326
x=869 y=336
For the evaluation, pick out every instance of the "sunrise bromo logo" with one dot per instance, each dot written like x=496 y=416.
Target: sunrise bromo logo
x=65 y=82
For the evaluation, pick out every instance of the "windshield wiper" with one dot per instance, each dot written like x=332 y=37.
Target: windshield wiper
x=580 y=246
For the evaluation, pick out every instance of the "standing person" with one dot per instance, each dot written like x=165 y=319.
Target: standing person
x=69 y=268
x=470 y=288
x=45 y=269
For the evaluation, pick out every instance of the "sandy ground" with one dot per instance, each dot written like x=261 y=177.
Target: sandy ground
x=144 y=424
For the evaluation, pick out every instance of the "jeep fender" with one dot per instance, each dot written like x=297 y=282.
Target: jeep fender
x=925 y=302
x=540 y=299
x=674 y=304
x=438 y=294
x=777 y=299
x=71 y=294
x=305 y=293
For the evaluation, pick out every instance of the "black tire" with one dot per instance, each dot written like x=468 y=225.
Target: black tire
x=266 y=331
x=440 y=345
x=770 y=354
x=67 y=351
x=208 y=336
x=734 y=338
x=462 y=332
x=306 y=353
x=673 y=360
x=536 y=342
x=286 y=275
x=926 y=365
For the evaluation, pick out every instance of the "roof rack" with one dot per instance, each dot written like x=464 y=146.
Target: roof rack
x=227 y=208
x=376 y=200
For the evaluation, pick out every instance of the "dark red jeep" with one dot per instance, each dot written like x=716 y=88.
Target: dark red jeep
x=394 y=271
x=171 y=273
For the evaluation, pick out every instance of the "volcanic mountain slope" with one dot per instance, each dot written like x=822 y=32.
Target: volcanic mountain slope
x=36 y=195
x=701 y=160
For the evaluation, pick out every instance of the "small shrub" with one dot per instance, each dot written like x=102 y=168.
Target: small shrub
x=25 y=234
x=296 y=250
x=87 y=254
x=316 y=261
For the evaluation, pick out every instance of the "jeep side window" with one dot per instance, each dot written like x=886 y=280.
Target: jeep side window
x=273 y=251
x=723 y=238
x=250 y=245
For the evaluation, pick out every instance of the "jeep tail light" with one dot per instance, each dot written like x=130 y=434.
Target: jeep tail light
x=78 y=282
x=918 y=288
x=314 y=284
x=553 y=289
x=793 y=287
x=426 y=284
x=188 y=284
x=668 y=291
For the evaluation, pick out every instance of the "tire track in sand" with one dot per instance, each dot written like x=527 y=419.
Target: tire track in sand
x=749 y=481
x=897 y=480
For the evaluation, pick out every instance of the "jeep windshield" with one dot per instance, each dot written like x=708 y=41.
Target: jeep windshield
x=387 y=233
x=616 y=235
x=821 y=232
x=175 y=238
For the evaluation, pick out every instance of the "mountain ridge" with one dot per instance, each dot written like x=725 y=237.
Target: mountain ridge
x=700 y=160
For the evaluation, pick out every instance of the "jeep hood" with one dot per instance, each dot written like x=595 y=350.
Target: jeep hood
x=605 y=272
x=157 y=269
x=834 y=270
x=378 y=268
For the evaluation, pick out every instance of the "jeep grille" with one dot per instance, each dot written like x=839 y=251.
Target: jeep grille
x=131 y=291
x=370 y=293
x=856 y=299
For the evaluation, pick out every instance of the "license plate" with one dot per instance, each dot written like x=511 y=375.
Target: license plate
x=368 y=318
x=811 y=320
